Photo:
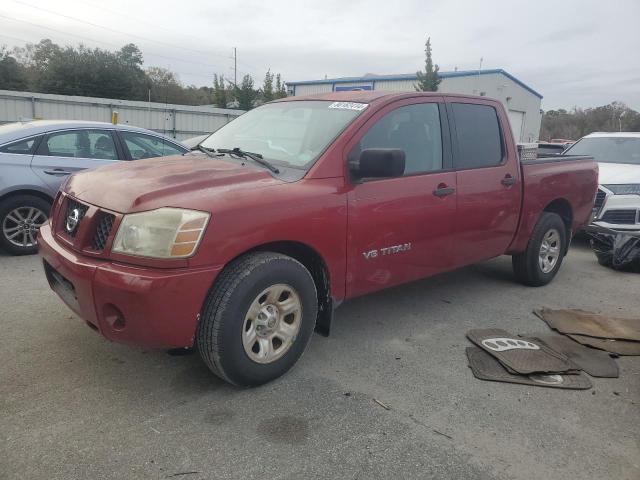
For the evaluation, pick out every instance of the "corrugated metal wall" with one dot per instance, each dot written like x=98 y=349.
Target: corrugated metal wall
x=177 y=121
x=313 y=89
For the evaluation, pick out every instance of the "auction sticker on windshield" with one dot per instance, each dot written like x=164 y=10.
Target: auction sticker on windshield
x=349 y=106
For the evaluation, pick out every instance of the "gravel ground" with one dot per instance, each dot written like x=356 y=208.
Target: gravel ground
x=73 y=405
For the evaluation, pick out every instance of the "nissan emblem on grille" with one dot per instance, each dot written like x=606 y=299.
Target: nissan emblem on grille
x=73 y=218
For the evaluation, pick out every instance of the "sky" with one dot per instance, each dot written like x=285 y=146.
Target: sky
x=575 y=53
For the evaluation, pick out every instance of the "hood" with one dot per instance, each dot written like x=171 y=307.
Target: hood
x=617 y=173
x=176 y=181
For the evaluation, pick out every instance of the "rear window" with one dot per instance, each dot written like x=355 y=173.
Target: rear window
x=22 y=147
x=478 y=135
x=608 y=149
x=549 y=149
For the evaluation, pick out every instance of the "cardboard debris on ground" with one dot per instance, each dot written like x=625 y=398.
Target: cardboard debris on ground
x=594 y=362
x=581 y=322
x=485 y=367
x=619 y=347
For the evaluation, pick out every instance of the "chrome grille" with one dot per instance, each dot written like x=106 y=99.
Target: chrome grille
x=620 y=217
x=599 y=201
x=103 y=229
x=71 y=206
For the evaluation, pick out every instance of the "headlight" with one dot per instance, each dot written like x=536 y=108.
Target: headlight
x=624 y=189
x=162 y=233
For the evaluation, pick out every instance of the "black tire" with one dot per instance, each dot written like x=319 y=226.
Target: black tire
x=526 y=265
x=220 y=330
x=9 y=205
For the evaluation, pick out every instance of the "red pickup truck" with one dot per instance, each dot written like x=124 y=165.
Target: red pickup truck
x=246 y=246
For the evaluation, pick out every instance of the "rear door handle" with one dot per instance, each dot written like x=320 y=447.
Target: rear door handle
x=57 y=172
x=508 y=180
x=443 y=191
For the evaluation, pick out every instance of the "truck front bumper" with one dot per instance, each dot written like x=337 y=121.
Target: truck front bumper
x=618 y=212
x=137 y=305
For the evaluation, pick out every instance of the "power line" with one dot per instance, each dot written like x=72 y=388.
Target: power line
x=113 y=30
x=182 y=72
x=81 y=37
x=154 y=25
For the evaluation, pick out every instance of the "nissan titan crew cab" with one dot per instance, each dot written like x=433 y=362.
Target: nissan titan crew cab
x=244 y=247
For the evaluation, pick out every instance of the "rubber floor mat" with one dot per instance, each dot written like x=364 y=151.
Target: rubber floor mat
x=519 y=354
x=486 y=367
x=581 y=322
x=594 y=362
x=619 y=347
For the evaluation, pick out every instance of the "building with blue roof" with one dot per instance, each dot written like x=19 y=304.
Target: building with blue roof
x=521 y=101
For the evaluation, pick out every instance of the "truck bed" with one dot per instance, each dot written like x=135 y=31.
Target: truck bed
x=542 y=179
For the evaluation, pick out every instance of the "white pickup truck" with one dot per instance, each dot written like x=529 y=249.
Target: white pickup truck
x=617 y=204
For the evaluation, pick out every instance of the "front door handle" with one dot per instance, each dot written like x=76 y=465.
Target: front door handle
x=57 y=172
x=508 y=180
x=443 y=190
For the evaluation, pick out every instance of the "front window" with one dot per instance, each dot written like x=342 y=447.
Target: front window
x=293 y=133
x=608 y=149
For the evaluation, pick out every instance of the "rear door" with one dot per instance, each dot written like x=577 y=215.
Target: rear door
x=400 y=228
x=139 y=145
x=488 y=180
x=65 y=152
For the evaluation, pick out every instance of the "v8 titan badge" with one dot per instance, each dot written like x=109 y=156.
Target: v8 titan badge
x=387 y=251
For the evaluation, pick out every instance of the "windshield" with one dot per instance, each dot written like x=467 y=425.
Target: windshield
x=608 y=149
x=287 y=133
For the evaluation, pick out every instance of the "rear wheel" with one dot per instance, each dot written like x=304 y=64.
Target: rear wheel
x=20 y=219
x=258 y=318
x=540 y=262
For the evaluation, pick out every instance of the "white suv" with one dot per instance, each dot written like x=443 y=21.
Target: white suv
x=617 y=203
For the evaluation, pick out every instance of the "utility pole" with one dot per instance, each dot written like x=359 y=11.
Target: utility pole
x=235 y=66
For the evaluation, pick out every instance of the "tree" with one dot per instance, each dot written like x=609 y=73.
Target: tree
x=165 y=85
x=579 y=122
x=245 y=94
x=220 y=94
x=428 y=80
x=12 y=74
x=281 y=89
x=267 y=87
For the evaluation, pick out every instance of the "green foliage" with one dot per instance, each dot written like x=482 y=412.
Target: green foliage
x=267 y=87
x=50 y=68
x=220 y=93
x=245 y=94
x=428 y=80
x=12 y=74
x=579 y=122
x=93 y=72
x=281 y=89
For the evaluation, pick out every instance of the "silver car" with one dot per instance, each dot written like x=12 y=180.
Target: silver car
x=36 y=157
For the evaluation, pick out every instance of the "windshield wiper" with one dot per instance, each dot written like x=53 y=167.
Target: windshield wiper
x=209 y=151
x=256 y=157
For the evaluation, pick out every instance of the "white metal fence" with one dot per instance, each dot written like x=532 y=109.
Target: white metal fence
x=177 y=121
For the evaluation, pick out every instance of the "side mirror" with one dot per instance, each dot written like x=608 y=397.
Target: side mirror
x=378 y=163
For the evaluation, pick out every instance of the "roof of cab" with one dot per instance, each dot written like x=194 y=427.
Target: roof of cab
x=614 y=134
x=367 y=96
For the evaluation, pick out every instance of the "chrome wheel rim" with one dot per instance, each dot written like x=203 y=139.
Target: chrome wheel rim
x=20 y=226
x=272 y=323
x=549 y=250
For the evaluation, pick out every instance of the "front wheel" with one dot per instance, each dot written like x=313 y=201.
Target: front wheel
x=20 y=219
x=540 y=262
x=257 y=319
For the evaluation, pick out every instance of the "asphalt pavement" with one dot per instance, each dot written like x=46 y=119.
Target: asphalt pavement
x=388 y=395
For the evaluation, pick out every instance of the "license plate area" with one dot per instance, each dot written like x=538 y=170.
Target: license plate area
x=63 y=287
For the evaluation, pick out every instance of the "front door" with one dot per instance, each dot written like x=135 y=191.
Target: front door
x=489 y=187
x=63 y=153
x=400 y=228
